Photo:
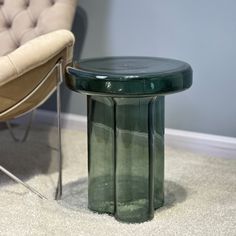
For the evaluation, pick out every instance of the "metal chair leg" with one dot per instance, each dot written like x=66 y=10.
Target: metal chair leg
x=58 y=66
x=27 y=130
x=13 y=177
x=21 y=140
x=59 y=183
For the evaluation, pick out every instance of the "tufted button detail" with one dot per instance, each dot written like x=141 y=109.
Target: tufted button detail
x=35 y=23
x=17 y=44
x=52 y=2
x=1 y=3
x=27 y=4
x=8 y=25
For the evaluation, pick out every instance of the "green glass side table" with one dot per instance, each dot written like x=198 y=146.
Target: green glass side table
x=125 y=106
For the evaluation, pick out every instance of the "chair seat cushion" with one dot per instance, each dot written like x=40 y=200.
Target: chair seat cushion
x=35 y=53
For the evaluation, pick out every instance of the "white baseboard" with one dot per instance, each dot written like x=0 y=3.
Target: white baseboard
x=69 y=121
x=192 y=141
x=208 y=144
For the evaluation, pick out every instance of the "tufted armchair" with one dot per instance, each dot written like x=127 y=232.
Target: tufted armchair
x=35 y=47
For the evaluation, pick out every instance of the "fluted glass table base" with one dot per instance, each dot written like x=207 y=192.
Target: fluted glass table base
x=126 y=156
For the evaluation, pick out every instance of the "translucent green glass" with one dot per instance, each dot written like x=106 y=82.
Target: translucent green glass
x=126 y=156
x=129 y=76
x=125 y=108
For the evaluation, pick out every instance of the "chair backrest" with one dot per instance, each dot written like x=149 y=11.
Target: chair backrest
x=23 y=20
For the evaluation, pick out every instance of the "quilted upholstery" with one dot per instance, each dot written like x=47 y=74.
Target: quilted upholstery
x=23 y=20
x=34 y=36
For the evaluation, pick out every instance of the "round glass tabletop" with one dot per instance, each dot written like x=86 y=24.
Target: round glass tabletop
x=129 y=76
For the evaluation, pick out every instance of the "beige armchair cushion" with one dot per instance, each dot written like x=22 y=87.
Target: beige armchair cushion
x=35 y=53
x=25 y=68
x=23 y=20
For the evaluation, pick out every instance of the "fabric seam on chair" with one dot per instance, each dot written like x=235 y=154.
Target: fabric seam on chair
x=15 y=15
x=5 y=15
x=27 y=32
x=13 y=65
x=34 y=66
x=30 y=29
x=11 y=33
x=13 y=37
x=41 y=13
x=32 y=20
x=30 y=15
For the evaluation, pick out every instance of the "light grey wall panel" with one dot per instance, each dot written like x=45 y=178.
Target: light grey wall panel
x=202 y=33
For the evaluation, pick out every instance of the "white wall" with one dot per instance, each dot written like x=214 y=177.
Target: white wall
x=203 y=33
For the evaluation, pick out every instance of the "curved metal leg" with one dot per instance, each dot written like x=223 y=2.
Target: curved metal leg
x=59 y=183
x=25 y=135
x=58 y=66
x=13 y=177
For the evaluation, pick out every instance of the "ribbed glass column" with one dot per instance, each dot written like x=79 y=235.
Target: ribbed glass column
x=126 y=156
x=101 y=161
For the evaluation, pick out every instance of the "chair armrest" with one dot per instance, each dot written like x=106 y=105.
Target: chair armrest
x=35 y=53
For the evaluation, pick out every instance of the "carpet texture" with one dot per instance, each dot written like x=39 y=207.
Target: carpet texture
x=200 y=192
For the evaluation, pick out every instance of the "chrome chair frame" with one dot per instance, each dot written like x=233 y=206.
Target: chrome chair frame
x=59 y=68
x=27 y=129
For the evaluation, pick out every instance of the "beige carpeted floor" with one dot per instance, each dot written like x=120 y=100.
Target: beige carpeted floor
x=200 y=192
